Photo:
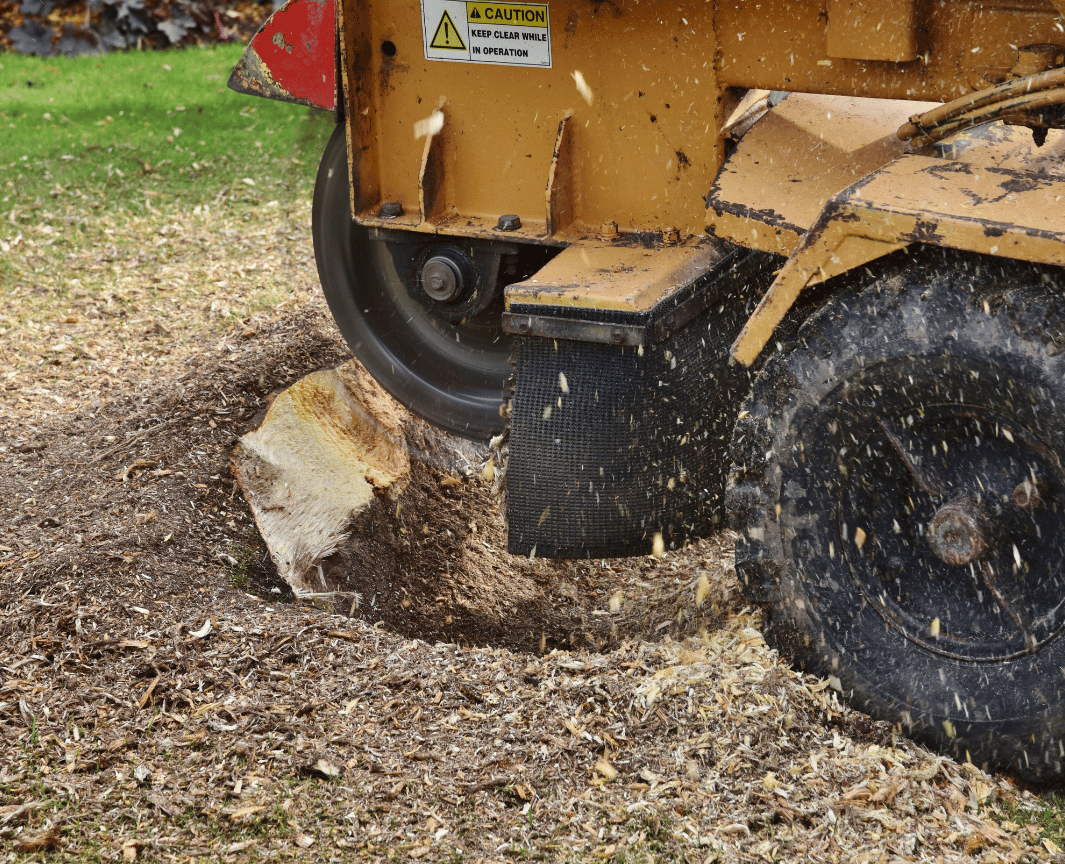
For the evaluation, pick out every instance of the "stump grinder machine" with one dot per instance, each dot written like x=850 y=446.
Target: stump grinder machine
x=796 y=261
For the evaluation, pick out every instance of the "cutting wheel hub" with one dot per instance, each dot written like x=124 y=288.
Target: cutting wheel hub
x=447 y=276
x=442 y=279
x=958 y=532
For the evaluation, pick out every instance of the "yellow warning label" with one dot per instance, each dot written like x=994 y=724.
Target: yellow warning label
x=447 y=35
x=508 y=14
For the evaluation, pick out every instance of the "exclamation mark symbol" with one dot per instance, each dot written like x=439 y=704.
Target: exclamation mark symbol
x=447 y=36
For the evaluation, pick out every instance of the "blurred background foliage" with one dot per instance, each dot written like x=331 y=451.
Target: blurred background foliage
x=49 y=28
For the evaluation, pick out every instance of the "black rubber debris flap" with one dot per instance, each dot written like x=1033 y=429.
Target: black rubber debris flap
x=612 y=444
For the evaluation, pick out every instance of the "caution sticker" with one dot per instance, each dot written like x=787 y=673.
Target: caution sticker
x=474 y=31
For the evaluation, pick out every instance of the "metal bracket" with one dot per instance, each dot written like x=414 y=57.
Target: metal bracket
x=431 y=169
x=574 y=329
x=916 y=199
x=728 y=272
x=560 y=180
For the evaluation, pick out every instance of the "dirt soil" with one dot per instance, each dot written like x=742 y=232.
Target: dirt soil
x=163 y=696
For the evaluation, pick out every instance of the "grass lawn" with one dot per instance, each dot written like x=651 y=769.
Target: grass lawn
x=141 y=182
x=138 y=127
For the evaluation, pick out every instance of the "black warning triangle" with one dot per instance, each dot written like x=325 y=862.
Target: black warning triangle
x=474 y=13
x=447 y=35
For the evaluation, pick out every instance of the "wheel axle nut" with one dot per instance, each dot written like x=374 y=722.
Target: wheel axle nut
x=958 y=532
x=508 y=222
x=442 y=279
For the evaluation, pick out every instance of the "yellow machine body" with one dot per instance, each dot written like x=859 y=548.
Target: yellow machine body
x=625 y=133
x=636 y=144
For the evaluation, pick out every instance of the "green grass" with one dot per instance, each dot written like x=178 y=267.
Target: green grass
x=1047 y=820
x=148 y=126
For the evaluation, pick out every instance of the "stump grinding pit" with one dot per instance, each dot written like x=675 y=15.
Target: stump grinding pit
x=369 y=510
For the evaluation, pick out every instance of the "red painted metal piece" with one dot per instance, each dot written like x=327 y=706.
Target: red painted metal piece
x=293 y=56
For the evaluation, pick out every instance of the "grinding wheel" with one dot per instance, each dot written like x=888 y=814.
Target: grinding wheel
x=449 y=372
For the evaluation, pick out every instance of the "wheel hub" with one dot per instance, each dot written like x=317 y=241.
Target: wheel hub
x=442 y=277
x=958 y=506
x=958 y=532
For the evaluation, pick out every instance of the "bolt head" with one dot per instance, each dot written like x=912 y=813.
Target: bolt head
x=1026 y=495
x=958 y=532
x=391 y=209
x=508 y=222
x=609 y=229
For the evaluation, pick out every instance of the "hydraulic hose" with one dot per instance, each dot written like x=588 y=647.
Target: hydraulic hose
x=1021 y=95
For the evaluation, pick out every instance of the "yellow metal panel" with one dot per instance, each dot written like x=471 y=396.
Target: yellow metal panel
x=1000 y=211
x=872 y=29
x=1000 y=146
x=643 y=137
x=917 y=199
x=615 y=276
x=962 y=46
x=774 y=185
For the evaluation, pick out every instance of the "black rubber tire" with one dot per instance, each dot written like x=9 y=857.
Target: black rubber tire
x=451 y=375
x=952 y=350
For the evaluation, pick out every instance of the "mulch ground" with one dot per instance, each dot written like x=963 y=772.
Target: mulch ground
x=164 y=697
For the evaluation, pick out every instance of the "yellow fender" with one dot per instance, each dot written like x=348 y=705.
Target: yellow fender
x=977 y=206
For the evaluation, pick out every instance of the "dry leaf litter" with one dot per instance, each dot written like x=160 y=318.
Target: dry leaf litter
x=164 y=697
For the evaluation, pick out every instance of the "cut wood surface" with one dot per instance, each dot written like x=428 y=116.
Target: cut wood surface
x=328 y=445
